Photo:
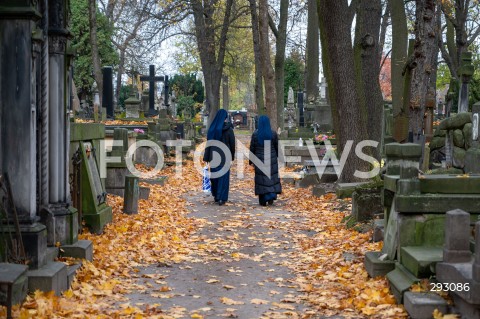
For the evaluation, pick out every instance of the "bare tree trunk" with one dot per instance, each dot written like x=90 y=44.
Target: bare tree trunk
x=425 y=44
x=280 y=45
x=121 y=70
x=225 y=93
x=337 y=45
x=313 y=52
x=383 y=29
x=267 y=69
x=256 y=50
x=367 y=66
x=399 y=58
x=211 y=55
x=97 y=68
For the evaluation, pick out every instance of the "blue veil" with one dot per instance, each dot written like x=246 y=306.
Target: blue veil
x=264 y=130
x=215 y=130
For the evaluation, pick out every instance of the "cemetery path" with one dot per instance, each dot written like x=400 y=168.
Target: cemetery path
x=238 y=268
x=182 y=256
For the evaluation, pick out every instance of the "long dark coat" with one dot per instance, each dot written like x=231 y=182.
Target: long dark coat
x=263 y=183
x=221 y=185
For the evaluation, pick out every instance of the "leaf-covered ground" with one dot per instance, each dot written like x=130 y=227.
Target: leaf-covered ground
x=184 y=257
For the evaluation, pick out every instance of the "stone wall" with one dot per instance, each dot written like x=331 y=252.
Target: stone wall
x=458 y=129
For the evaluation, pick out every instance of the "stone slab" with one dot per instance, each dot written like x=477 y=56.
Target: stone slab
x=86 y=131
x=144 y=193
x=161 y=180
x=376 y=267
x=366 y=203
x=345 y=190
x=450 y=184
x=71 y=272
x=400 y=280
x=390 y=182
x=421 y=260
x=421 y=305
x=318 y=191
x=433 y=203
x=51 y=277
x=82 y=249
x=378 y=230
x=95 y=222
x=16 y=276
x=52 y=253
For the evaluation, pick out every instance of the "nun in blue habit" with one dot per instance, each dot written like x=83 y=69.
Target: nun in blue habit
x=220 y=130
x=267 y=181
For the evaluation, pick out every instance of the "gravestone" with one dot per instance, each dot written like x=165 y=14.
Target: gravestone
x=472 y=156
x=132 y=107
x=323 y=113
x=459 y=265
x=84 y=142
x=152 y=79
x=132 y=193
x=290 y=111
x=116 y=172
x=144 y=105
x=466 y=71
x=107 y=95
x=301 y=109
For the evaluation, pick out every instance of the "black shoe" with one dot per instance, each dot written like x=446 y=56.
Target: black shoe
x=270 y=202
x=263 y=203
x=221 y=202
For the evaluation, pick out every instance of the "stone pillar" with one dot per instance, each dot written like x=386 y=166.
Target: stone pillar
x=466 y=71
x=19 y=56
x=301 y=116
x=457 y=237
x=472 y=157
x=59 y=217
x=18 y=116
x=132 y=193
x=107 y=95
x=429 y=106
x=410 y=154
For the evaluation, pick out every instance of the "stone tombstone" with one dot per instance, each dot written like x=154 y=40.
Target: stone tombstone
x=323 y=111
x=466 y=71
x=144 y=100
x=132 y=107
x=323 y=89
x=290 y=99
x=300 y=105
x=475 y=124
x=107 y=94
x=472 y=156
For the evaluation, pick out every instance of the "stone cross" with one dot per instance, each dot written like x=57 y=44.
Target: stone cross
x=151 y=79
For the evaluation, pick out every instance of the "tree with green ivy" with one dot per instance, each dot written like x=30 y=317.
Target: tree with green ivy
x=189 y=92
x=294 y=73
x=83 y=67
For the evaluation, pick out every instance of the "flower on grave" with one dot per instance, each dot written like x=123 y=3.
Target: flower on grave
x=139 y=131
x=321 y=137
